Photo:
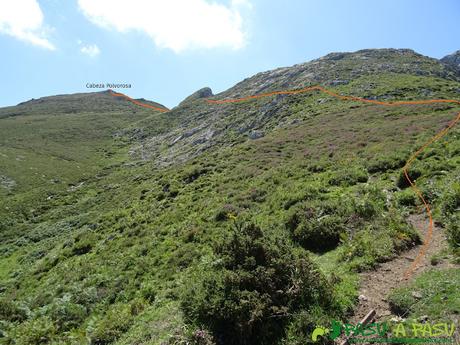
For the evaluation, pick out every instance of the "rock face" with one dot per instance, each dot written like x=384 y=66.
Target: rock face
x=201 y=93
x=340 y=68
x=6 y=182
x=452 y=60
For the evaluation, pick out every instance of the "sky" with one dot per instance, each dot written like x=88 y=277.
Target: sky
x=168 y=49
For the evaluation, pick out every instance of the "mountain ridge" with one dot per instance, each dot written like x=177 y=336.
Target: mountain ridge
x=446 y=67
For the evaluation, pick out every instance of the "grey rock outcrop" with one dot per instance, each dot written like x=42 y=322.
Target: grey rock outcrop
x=205 y=92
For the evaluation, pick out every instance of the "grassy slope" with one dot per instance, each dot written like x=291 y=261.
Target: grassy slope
x=111 y=255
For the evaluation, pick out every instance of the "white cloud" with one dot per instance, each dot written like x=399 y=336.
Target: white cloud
x=91 y=50
x=23 y=19
x=173 y=24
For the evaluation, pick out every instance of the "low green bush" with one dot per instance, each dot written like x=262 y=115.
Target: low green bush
x=224 y=212
x=348 y=177
x=84 y=242
x=38 y=331
x=67 y=315
x=451 y=200
x=406 y=197
x=412 y=172
x=252 y=288
x=385 y=163
x=10 y=311
x=111 y=326
x=317 y=225
x=453 y=232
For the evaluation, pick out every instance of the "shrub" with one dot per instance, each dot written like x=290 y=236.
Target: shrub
x=115 y=322
x=257 y=195
x=67 y=315
x=430 y=192
x=413 y=173
x=193 y=173
x=250 y=293
x=366 y=249
x=317 y=226
x=451 y=200
x=383 y=164
x=406 y=197
x=87 y=297
x=148 y=291
x=299 y=331
x=9 y=311
x=34 y=332
x=402 y=234
x=453 y=232
x=84 y=242
x=348 y=177
x=365 y=208
x=224 y=212
x=202 y=337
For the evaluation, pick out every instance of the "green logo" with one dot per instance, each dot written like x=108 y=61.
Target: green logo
x=319 y=331
x=401 y=332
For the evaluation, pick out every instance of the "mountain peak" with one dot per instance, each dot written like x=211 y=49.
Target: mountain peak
x=201 y=93
x=101 y=101
x=341 y=68
x=370 y=53
x=452 y=59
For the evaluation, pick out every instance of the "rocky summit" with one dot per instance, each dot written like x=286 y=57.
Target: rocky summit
x=452 y=60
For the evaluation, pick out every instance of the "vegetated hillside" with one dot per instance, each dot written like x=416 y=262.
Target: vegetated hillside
x=241 y=223
x=54 y=143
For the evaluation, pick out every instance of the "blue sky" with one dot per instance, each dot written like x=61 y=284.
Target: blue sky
x=168 y=49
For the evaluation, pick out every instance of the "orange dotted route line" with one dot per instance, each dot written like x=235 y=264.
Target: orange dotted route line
x=426 y=242
x=145 y=105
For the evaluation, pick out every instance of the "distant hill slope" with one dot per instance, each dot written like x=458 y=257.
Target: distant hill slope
x=52 y=143
x=74 y=103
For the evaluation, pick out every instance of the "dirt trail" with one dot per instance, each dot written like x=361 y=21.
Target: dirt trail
x=377 y=284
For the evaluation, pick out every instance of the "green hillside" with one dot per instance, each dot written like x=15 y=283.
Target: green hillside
x=242 y=223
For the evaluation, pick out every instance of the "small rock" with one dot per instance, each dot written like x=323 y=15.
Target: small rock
x=423 y=318
x=256 y=135
x=362 y=298
x=339 y=82
x=176 y=140
x=397 y=319
x=201 y=93
x=416 y=295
